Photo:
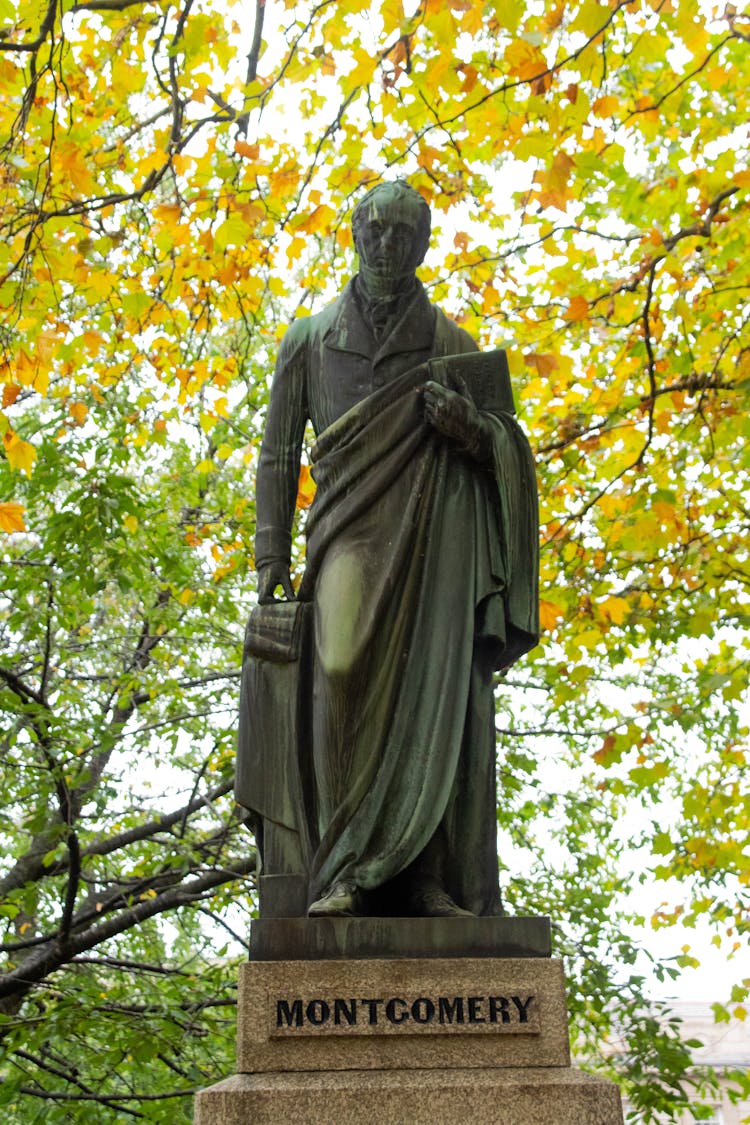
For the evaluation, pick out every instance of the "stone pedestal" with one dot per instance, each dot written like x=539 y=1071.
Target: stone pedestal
x=532 y=1096
x=411 y=1037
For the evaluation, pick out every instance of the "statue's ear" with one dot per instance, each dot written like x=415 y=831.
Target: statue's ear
x=421 y=246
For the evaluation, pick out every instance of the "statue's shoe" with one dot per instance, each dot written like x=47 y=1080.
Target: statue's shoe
x=342 y=900
x=433 y=902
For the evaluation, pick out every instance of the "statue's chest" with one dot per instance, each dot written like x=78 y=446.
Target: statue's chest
x=340 y=380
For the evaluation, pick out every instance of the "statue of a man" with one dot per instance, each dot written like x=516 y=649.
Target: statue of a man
x=420 y=582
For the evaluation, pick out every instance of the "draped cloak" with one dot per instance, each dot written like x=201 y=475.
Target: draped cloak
x=421 y=568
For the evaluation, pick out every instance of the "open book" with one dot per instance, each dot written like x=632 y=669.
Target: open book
x=486 y=376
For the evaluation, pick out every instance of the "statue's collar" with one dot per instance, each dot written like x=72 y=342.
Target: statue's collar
x=349 y=332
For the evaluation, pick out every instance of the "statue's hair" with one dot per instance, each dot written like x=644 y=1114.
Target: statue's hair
x=402 y=188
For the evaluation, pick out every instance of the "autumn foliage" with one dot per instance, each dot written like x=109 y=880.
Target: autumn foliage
x=176 y=182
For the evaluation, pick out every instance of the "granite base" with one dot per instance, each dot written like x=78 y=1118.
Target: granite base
x=523 y=1096
x=401 y=1014
x=426 y=1024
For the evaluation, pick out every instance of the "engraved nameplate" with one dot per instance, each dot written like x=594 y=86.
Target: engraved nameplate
x=324 y=1014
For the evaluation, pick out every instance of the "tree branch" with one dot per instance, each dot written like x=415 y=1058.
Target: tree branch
x=252 y=58
x=46 y=27
x=58 y=952
x=22 y=690
x=129 y=966
x=160 y=824
x=109 y=5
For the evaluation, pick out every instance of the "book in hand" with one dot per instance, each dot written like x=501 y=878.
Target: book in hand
x=485 y=374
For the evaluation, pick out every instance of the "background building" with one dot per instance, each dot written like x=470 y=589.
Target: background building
x=726 y=1047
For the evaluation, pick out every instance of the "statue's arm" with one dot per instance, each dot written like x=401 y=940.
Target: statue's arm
x=278 y=466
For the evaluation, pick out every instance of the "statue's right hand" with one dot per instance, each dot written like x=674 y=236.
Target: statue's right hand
x=270 y=576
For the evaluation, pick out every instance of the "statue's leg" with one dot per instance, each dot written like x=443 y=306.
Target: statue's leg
x=420 y=889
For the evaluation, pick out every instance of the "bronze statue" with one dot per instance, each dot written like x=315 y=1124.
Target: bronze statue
x=367 y=738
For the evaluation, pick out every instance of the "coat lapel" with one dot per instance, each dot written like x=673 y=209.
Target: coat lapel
x=413 y=331
x=348 y=331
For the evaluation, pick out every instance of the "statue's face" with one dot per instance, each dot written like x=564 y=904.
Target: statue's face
x=387 y=237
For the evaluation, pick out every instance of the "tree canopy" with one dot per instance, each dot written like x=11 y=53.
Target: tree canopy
x=176 y=183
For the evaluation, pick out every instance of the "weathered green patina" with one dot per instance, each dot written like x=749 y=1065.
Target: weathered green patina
x=367 y=745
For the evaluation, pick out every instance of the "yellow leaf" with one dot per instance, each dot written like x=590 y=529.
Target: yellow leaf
x=588 y=639
x=92 y=341
x=648 y=116
x=186 y=597
x=553 y=18
x=21 y=454
x=25 y=369
x=361 y=74
x=554 y=182
x=615 y=609
x=181 y=163
x=515 y=361
x=606 y=106
x=131 y=523
x=472 y=17
x=578 y=309
x=508 y=13
x=78 y=410
x=234 y=231
x=168 y=214
x=592 y=17
x=11 y=391
x=392 y=14
x=242 y=148
x=602 y=755
x=549 y=615
x=524 y=60
x=41 y=380
x=11 y=517
x=544 y=363
x=305 y=488
x=153 y=162
x=71 y=163
x=317 y=220
x=295 y=249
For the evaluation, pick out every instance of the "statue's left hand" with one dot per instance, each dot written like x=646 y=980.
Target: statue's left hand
x=454 y=415
x=271 y=576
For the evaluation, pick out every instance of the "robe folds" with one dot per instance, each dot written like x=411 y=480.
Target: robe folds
x=421 y=577
x=411 y=556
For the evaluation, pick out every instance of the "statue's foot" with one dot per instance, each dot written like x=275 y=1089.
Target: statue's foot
x=342 y=900
x=434 y=902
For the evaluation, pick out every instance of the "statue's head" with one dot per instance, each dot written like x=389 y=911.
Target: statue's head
x=391 y=228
